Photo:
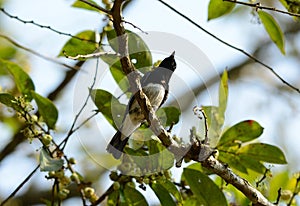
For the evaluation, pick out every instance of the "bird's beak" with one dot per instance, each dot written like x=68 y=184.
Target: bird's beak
x=173 y=54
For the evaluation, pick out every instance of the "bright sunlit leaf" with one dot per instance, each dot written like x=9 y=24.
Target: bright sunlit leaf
x=273 y=29
x=223 y=92
x=80 y=4
x=218 y=8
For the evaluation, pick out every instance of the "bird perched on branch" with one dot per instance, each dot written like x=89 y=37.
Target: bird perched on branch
x=155 y=85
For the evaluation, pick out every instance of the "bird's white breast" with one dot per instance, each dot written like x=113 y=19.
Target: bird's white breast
x=155 y=93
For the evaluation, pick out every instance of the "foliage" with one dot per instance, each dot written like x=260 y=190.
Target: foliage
x=147 y=163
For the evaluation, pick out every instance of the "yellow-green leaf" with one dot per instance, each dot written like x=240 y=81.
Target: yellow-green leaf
x=273 y=29
x=223 y=92
x=217 y=8
x=82 y=5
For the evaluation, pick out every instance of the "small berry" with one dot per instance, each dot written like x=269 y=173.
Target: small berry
x=116 y=185
x=89 y=192
x=46 y=139
x=72 y=161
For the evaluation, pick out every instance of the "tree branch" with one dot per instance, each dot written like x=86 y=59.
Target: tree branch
x=36 y=53
x=241 y=184
x=259 y=6
x=44 y=26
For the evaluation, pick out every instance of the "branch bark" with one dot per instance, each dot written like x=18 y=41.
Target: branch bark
x=193 y=151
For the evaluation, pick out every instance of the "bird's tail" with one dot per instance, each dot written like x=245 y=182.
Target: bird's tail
x=116 y=145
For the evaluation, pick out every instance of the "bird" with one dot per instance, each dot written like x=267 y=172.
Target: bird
x=155 y=85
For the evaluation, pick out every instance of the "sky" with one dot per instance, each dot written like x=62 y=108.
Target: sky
x=199 y=56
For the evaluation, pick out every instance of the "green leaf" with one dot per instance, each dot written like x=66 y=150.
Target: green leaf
x=160 y=157
x=48 y=163
x=76 y=46
x=9 y=100
x=163 y=195
x=206 y=191
x=252 y=164
x=109 y=106
x=232 y=160
x=82 y=5
x=168 y=115
x=291 y=6
x=191 y=201
x=46 y=109
x=171 y=188
x=119 y=76
x=22 y=79
x=215 y=122
x=113 y=198
x=138 y=49
x=244 y=131
x=217 y=8
x=223 y=92
x=116 y=71
x=263 y=152
x=273 y=29
x=6 y=50
x=134 y=197
x=279 y=180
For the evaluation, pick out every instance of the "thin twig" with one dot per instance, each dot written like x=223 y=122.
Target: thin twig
x=71 y=131
x=85 y=121
x=231 y=46
x=103 y=196
x=259 y=6
x=20 y=186
x=95 y=6
x=44 y=27
x=88 y=56
x=134 y=26
x=278 y=196
x=36 y=53
x=263 y=177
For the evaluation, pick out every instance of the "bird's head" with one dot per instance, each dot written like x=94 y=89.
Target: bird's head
x=169 y=62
